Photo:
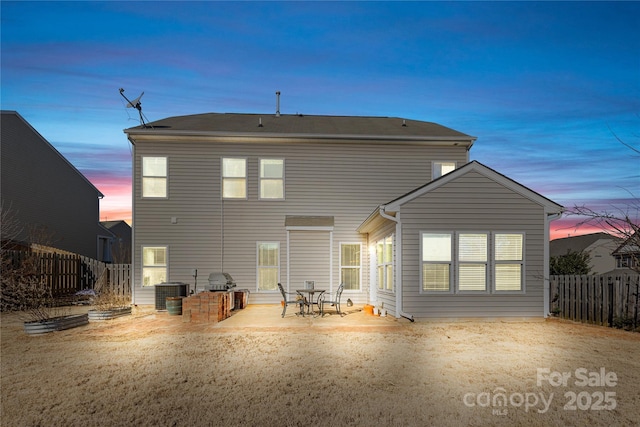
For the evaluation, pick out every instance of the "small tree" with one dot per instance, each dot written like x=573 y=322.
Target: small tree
x=22 y=287
x=621 y=223
x=572 y=263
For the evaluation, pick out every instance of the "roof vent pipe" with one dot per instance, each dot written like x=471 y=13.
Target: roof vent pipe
x=278 y=104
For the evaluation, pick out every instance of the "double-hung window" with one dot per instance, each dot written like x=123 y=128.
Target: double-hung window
x=154 y=265
x=441 y=168
x=350 y=266
x=472 y=261
x=384 y=256
x=272 y=179
x=268 y=265
x=509 y=261
x=480 y=262
x=234 y=178
x=154 y=177
x=436 y=262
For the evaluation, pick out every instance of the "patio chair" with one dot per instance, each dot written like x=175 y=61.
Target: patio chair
x=290 y=298
x=333 y=302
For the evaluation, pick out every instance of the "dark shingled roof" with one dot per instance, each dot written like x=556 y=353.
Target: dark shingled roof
x=297 y=124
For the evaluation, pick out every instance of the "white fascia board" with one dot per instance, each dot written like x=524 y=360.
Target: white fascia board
x=307 y=228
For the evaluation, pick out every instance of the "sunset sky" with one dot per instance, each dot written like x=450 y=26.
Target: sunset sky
x=548 y=88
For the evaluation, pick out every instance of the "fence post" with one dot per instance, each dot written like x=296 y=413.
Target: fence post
x=635 y=308
x=610 y=317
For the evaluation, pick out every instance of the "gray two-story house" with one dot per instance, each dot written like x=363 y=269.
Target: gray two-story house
x=46 y=198
x=390 y=207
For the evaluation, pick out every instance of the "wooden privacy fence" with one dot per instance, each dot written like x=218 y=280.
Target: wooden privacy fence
x=609 y=300
x=66 y=274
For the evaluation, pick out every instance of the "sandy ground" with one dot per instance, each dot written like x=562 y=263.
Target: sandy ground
x=256 y=369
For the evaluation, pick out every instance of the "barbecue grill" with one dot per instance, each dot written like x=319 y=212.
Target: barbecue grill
x=220 y=282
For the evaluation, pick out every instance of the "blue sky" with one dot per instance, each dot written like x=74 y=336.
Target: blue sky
x=544 y=86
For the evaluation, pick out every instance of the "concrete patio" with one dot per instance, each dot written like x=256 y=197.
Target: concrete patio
x=257 y=316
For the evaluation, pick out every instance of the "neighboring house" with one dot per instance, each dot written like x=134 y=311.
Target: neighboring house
x=121 y=244
x=390 y=207
x=49 y=200
x=599 y=246
x=627 y=256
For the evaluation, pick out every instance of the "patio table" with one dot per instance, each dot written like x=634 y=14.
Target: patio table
x=311 y=292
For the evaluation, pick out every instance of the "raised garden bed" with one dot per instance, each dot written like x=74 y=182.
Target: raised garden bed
x=100 y=315
x=38 y=327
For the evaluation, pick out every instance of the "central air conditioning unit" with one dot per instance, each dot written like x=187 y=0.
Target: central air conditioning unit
x=164 y=290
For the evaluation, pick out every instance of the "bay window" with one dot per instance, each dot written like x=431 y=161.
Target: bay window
x=384 y=256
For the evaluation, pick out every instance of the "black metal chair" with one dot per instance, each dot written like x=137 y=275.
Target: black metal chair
x=327 y=299
x=287 y=299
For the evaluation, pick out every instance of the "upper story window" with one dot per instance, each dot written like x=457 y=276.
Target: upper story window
x=234 y=178
x=272 y=179
x=442 y=168
x=154 y=177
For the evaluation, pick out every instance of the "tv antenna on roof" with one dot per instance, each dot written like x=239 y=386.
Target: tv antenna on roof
x=137 y=105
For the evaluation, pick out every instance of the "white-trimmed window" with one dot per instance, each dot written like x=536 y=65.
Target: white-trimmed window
x=271 y=179
x=441 y=168
x=384 y=257
x=436 y=262
x=234 y=178
x=350 y=265
x=154 y=177
x=472 y=261
x=268 y=265
x=154 y=265
x=509 y=261
x=482 y=262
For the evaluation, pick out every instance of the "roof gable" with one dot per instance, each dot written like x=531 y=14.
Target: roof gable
x=577 y=243
x=475 y=166
x=13 y=120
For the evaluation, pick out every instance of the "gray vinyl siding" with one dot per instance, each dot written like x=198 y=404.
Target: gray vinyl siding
x=346 y=181
x=45 y=192
x=473 y=203
x=310 y=259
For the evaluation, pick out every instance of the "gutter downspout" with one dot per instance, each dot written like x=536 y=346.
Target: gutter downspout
x=546 y=303
x=398 y=262
x=133 y=209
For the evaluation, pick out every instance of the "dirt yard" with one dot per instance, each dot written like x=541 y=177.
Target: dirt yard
x=153 y=370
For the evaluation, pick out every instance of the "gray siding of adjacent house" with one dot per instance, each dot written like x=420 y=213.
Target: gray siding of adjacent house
x=53 y=202
x=473 y=203
x=341 y=180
